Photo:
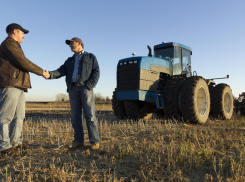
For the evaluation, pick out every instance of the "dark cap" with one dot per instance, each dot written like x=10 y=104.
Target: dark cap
x=13 y=26
x=75 y=39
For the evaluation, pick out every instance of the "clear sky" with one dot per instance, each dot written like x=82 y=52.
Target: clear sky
x=112 y=30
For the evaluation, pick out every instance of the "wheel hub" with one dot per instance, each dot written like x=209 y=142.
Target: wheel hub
x=202 y=101
x=227 y=102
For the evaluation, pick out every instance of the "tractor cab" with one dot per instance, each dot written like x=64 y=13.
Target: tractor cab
x=178 y=55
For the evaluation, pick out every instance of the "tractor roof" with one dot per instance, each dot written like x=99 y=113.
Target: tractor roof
x=171 y=44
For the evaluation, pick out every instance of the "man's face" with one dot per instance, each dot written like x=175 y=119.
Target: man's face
x=74 y=46
x=19 y=35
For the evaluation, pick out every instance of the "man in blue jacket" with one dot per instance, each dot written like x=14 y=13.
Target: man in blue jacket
x=82 y=74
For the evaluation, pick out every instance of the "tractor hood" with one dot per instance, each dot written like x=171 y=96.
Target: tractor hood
x=144 y=62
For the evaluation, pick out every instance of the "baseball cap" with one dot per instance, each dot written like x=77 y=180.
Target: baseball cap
x=13 y=26
x=76 y=39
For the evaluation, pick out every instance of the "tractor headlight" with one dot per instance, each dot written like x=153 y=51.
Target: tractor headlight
x=130 y=62
x=121 y=64
x=124 y=62
x=135 y=61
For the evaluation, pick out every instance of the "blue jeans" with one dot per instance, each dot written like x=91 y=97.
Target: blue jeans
x=83 y=98
x=12 y=113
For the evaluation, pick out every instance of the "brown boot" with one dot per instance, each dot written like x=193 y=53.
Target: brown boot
x=95 y=146
x=10 y=151
x=76 y=145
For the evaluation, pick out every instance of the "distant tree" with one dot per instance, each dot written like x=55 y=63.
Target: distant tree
x=99 y=98
x=62 y=97
x=107 y=99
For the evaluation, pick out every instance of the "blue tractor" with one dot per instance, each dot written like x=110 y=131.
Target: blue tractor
x=165 y=83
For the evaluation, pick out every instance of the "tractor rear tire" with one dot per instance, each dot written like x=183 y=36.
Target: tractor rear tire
x=118 y=107
x=172 y=95
x=222 y=101
x=138 y=110
x=195 y=100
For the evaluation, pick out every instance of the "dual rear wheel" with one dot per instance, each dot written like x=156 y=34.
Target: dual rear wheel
x=192 y=100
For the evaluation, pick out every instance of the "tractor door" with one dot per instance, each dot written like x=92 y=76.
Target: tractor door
x=186 y=62
x=181 y=61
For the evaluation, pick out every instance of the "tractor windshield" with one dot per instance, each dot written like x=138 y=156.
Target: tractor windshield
x=173 y=54
x=180 y=59
x=164 y=53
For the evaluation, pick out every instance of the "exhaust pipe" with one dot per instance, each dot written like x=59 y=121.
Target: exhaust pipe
x=149 y=54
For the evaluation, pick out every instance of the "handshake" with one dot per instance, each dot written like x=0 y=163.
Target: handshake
x=46 y=74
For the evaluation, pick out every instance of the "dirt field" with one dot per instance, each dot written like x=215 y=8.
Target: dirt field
x=156 y=150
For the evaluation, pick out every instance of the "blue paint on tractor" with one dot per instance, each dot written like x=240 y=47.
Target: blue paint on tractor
x=146 y=96
x=140 y=95
x=145 y=62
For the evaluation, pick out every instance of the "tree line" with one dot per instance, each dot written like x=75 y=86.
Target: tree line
x=61 y=97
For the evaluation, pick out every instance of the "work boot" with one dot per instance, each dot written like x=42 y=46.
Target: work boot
x=76 y=145
x=95 y=146
x=10 y=151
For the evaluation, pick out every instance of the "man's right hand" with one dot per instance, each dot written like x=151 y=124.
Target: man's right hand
x=46 y=74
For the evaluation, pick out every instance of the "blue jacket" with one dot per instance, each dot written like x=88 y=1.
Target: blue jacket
x=88 y=71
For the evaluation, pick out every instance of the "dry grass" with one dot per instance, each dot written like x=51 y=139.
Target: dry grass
x=36 y=106
x=157 y=150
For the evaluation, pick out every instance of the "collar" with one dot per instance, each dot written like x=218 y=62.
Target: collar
x=13 y=40
x=80 y=53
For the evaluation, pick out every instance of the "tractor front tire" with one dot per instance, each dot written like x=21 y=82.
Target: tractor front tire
x=172 y=95
x=138 y=110
x=222 y=101
x=195 y=100
x=118 y=107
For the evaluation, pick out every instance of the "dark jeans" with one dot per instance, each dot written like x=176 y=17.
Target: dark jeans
x=83 y=98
